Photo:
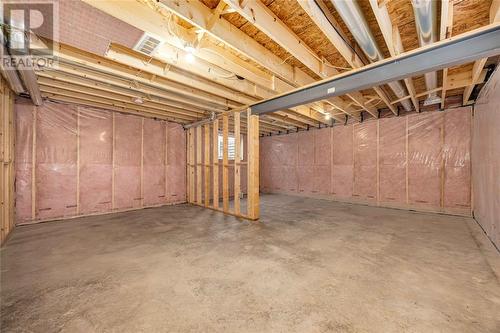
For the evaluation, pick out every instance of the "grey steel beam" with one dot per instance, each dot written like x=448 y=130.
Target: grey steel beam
x=477 y=44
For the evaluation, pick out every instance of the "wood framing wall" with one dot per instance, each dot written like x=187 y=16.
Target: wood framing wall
x=7 y=172
x=210 y=179
x=73 y=161
x=420 y=161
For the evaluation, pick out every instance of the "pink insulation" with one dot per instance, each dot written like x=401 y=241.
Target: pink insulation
x=56 y=161
x=424 y=159
x=420 y=161
x=486 y=158
x=392 y=160
x=343 y=161
x=154 y=171
x=305 y=162
x=24 y=158
x=76 y=150
x=365 y=161
x=176 y=163
x=127 y=161
x=322 y=161
x=96 y=160
x=457 y=173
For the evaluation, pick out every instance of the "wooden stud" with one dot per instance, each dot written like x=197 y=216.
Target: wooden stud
x=113 y=162
x=7 y=172
x=225 y=162
x=166 y=163
x=378 y=162
x=253 y=210
x=191 y=178
x=215 y=163
x=443 y=160
x=33 y=167
x=199 y=174
x=142 y=162
x=331 y=160
x=77 y=161
x=407 y=162
x=237 y=163
x=207 y=164
x=12 y=159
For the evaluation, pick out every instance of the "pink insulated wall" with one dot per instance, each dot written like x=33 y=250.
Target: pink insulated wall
x=73 y=160
x=486 y=159
x=419 y=161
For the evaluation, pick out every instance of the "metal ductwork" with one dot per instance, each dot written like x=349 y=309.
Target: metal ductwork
x=212 y=117
x=353 y=17
x=425 y=19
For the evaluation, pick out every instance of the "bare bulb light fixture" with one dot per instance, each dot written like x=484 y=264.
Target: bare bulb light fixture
x=190 y=54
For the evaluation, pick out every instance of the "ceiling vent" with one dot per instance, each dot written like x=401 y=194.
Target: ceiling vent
x=147 y=44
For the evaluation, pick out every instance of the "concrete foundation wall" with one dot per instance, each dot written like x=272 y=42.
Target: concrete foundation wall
x=486 y=159
x=418 y=161
x=74 y=160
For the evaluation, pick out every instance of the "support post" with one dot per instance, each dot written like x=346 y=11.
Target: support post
x=206 y=163
x=237 y=163
x=225 y=163
x=253 y=165
x=191 y=191
x=215 y=164
x=199 y=174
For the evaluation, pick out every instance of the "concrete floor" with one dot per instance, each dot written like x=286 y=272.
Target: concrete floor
x=309 y=266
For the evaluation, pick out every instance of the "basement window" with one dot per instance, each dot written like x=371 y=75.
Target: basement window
x=231 y=147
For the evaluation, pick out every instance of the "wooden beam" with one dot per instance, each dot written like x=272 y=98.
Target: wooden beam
x=191 y=166
x=149 y=88
x=7 y=160
x=265 y=20
x=215 y=163
x=478 y=66
x=131 y=93
x=317 y=15
x=225 y=162
x=205 y=83
x=199 y=174
x=153 y=107
x=9 y=73
x=237 y=162
x=142 y=162
x=74 y=55
x=156 y=21
x=206 y=162
x=445 y=31
x=107 y=100
x=253 y=209
x=174 y=81
x=243 y=92
x=196 y=12
x=33 y=162
x=393 y=41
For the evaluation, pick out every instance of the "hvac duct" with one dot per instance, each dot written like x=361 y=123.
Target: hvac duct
x=425 y=20
x=353 y=17
x=212 y=117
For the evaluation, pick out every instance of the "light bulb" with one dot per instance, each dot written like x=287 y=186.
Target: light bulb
x=190 y=49
x=190 y=58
